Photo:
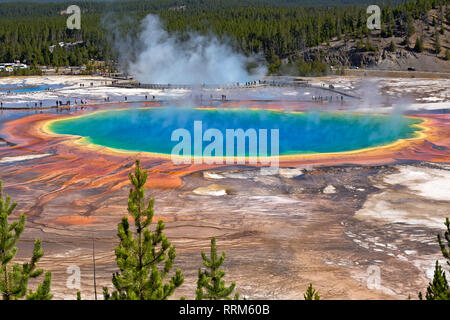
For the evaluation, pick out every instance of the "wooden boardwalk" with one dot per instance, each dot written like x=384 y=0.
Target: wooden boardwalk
x=252 y=85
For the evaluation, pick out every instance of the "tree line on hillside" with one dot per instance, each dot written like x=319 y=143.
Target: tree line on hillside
x=145 y=258
x=44 y=8
x=275 y=31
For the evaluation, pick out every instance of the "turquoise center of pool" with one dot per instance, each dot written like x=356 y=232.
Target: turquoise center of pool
x=150 y=129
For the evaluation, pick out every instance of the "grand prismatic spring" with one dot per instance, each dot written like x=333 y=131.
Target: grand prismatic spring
x=150 y=130
x=362 y=183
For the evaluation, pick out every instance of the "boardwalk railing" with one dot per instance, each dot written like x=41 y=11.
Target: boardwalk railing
x=249 y=85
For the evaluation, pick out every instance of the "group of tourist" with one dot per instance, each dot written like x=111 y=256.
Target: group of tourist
x=326 y=98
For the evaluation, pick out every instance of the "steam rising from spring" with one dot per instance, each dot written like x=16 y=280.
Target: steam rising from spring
x=201 y=59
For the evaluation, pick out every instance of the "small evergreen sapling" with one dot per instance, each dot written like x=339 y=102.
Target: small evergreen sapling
x=437 y=43
x=14 y=276
x=392 y=47
x=210 y=285
x=144 y=257
x=419 y=45
x=439 y=289
x=311 y=293
x=445 y=249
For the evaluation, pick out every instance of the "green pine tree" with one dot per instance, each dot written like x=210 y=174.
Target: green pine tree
x=392 y=47
x=439 y=288
x=445 y=251
x=14 y=276
x=370 y=47
x=210 y=285
x=419 y=45
x=144 y=257
x=447 y=55
x=311 y=293
x=437 y=43
x=43 y=290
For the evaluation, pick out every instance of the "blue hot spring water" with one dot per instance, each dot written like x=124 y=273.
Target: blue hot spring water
x=150 y=129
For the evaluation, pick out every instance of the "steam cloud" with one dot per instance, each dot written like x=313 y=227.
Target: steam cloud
x=163 y=58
